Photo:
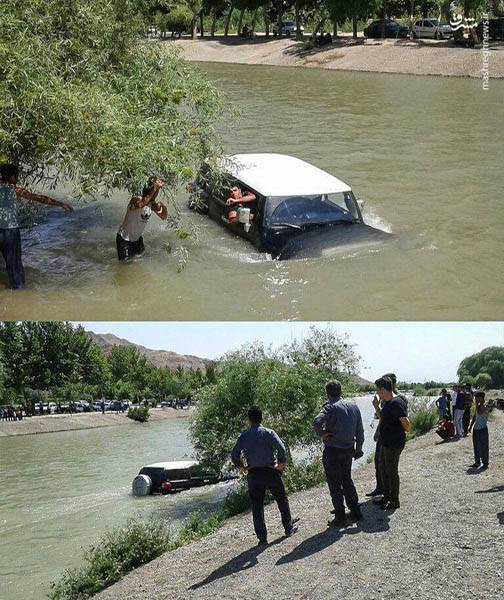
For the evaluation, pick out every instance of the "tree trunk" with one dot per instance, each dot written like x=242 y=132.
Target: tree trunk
x=317 y=27
x=266 y=21
x=228 y=21
x=214 y=21
x=202 y=26
x=240 y=21
x=193 y=28
x=335 y=29
x=299 y=35
x=354 y=27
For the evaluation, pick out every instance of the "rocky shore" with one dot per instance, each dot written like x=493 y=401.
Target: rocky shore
x=54 y=423
x=446 y=541
x=412 y=57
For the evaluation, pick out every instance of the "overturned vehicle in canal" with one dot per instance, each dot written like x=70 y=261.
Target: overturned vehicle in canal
x=175 y=476
x=281 y=204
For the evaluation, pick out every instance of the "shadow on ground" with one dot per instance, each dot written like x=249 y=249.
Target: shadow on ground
x=245 y=560
x=375 y=520
x=495 y=488
x=500 y=516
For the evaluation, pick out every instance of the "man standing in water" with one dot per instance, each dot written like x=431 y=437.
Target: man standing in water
x=10 y=236
x=339 y=425
x=265 y=457
x=394 y=423
x=129 y=240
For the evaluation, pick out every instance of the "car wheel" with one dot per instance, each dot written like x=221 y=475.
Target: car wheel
x=437 y=35
x=414 y=35
x=287 y=33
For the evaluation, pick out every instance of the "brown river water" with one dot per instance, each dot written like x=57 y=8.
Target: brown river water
x=425 y=154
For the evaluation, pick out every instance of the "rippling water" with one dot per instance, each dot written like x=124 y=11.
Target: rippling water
x=60 y=491
x=425 y=153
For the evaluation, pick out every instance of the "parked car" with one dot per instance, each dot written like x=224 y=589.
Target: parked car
x=287 y=28
x=495 y=29
x=431 y=28
x=117 y=405
x=171 y=477
x=391 y=29
x=300 y=211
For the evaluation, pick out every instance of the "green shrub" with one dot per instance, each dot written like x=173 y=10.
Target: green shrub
x=303 y=474
x=423 y=417
x=117 y=553
x=370 y=457
x=139 y=413
x=126 y=548
x=237 y=501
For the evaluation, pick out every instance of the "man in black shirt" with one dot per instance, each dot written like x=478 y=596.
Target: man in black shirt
x=394 y=423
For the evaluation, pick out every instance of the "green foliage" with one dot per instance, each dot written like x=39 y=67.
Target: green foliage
x=87 y=99
x=46 y=354
x=127 y=548
x=423 y=417
x=489 y=361
x=303 y=475
x=483 y=381
x=138 y=413
x=117 y=553
x=288 y=385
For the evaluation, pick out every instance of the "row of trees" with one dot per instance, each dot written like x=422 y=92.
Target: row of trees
x=177 y=16
x=41 y=361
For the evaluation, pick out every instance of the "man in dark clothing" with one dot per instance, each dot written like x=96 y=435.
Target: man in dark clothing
x=265 y=457
x=378 y=491
x=340 y=427
x=394 y=423
x=458 y=412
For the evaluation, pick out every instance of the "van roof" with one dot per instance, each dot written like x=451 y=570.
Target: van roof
x=177 y=464
x=281 y=175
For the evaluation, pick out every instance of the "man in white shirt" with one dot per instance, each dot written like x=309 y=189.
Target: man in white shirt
x=129 y=240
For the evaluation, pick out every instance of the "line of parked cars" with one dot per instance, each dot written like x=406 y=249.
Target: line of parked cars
x=429 y=28
x=80 y=406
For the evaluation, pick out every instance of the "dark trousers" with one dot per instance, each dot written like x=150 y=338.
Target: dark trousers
x=389 y=463
x=481 y=446
x=338 y=469
x=377 y=456
x=466 y=419
x=260 y=480
x=10 y=246
x=128 y=250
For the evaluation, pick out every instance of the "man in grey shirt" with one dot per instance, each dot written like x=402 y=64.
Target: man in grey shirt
x=340 y=427
x=265 y=458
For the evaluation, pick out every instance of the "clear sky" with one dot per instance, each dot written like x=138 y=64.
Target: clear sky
x=417 y=351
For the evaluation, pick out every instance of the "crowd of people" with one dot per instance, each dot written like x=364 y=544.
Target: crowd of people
x=261 y=455
x=11 y=413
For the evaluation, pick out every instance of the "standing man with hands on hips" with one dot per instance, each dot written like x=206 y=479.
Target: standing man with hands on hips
x=339 y=425
x=265 y=456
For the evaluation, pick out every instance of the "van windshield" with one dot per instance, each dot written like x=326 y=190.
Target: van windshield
x=320 y=209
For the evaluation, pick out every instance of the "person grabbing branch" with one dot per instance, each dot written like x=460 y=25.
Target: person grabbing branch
x=10 y=235
x=129 y=239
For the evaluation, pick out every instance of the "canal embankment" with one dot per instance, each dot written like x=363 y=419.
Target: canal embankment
x=91 y=420
x=411 y=57
x=447 y=540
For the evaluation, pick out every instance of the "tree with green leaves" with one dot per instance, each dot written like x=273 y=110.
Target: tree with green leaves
x=483 y=381
x=287 y=384
x=88 y=100
x=489 y=361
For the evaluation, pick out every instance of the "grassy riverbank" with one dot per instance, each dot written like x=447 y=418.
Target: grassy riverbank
x=92 y=420
x=412 y=57
x=449 y=549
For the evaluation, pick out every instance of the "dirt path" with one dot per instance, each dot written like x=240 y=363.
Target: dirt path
x=447 y=541
x=418 y=57
x=54 y=423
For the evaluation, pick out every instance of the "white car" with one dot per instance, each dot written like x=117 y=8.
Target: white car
x=431 y=28
x=287 y=28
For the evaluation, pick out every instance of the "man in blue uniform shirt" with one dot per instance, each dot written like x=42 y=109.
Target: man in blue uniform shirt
x=265 y=458
x=340 y=427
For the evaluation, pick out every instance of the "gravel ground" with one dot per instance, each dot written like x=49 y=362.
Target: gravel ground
x=54 y=423
x=416 y=57
x=446 y=541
